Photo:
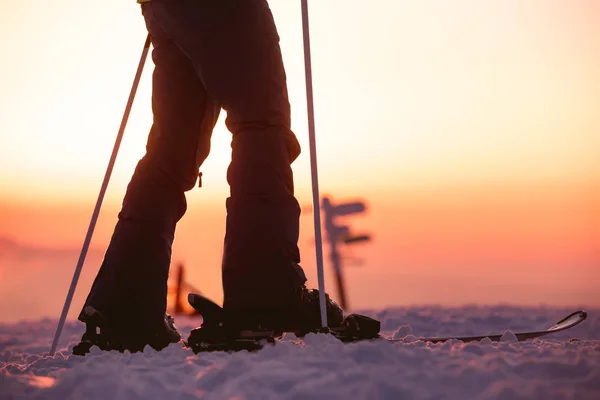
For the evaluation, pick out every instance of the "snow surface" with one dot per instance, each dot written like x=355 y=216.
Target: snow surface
x=321 y=367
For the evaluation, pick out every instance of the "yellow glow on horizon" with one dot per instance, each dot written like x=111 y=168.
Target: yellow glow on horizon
x=423 y=94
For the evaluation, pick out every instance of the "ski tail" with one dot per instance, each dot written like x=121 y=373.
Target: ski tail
x=567 y=322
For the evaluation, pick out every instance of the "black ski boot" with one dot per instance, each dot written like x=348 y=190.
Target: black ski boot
x=305 y=314
x=300 y=314
x=122 y=337
x=251 y=328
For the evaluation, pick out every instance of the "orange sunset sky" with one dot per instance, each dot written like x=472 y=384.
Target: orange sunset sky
x=470 y=128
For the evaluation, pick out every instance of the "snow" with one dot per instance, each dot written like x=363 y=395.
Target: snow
x=509 y=337
x=565 y=365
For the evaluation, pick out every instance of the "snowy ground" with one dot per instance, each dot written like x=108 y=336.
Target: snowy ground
x=321 y=367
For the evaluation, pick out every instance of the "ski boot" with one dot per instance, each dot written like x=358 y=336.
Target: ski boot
x=216 y=335
x=116 y=337
x=234 y=330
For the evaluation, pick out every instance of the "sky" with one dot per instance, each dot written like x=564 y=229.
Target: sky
x=470 y=129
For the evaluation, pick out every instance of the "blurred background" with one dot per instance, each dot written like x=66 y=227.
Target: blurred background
x=469 y=129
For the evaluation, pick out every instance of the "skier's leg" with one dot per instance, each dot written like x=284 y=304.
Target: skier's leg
x=234 y=46
x=132 y=281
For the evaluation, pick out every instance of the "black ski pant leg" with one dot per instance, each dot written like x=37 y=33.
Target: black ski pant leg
x=234 y=46
x=132 y=282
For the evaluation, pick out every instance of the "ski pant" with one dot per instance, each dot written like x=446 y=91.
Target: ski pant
x=208 y=55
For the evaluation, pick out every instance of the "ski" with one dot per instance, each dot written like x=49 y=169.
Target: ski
x=567 y=322
x=213 y=335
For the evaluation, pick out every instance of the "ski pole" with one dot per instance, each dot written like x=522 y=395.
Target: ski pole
x=313 y=162
x=111 y=163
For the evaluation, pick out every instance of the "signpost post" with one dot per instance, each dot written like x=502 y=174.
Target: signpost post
x=340 y=234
